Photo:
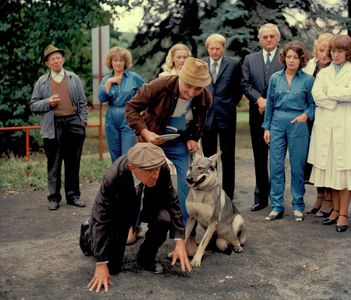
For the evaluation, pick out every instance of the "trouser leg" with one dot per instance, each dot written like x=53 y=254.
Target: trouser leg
x=73 y=141
x=155 y=236
x=278 y=146
x=128 y=138
x=298 y=141
x=178 y=154
x=113 y=134
x=260 y=153
x=227 y=146
x=53 y=152
x=209 y=142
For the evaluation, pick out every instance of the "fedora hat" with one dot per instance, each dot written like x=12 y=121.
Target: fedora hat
x=146 y=156
x=195 y=72
x=51 y=49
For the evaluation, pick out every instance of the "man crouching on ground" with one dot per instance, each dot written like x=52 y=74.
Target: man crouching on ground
x=136 y=187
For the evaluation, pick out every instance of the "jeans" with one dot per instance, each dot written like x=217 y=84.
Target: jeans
x=177 y=152
x=120 y=137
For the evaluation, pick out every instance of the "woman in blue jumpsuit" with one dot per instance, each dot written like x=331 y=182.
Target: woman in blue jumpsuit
x=116 y=88
x=289 y=105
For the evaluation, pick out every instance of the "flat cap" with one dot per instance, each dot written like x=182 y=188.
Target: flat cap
x=146 y=156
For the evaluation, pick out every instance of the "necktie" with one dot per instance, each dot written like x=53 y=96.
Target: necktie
x=268 y=60
x=214 y=71
x=139 y=191
x=139 y=205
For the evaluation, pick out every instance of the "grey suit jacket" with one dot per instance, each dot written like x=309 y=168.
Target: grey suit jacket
x=254 y=83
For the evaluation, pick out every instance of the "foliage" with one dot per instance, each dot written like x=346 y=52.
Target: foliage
x=171 y=21
x=26 y=28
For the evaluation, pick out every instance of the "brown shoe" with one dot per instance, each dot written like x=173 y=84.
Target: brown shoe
x=191 y=246
x=132 y=236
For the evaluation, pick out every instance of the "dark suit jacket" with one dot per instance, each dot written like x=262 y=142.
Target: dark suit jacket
x=226 y=93
x=116 y=206
x=254 y=84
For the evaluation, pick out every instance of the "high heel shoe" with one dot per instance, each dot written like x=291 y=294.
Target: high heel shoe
x=316 y=206
x=341 y=228
x=313 y=210
x=329 y=221
x=324 y=214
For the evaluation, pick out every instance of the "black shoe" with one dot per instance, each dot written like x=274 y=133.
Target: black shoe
x=83 y=246
x=341 y=228
x=76 y=202
x=329 y=221
x=153 y=267
x=258 y=206
x=53 y=205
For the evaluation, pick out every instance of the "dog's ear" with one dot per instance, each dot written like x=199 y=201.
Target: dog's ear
x=214 y=157
x=197 y=155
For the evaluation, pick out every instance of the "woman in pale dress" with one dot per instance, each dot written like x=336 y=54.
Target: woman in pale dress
x=331 y=134
x=175 y=59
x=321 y=59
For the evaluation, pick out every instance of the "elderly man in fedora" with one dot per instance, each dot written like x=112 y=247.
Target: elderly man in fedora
x=174 y=105
x=137 y=186
x=59 y=97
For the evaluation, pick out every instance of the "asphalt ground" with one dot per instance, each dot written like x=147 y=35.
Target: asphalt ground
x=40 y=256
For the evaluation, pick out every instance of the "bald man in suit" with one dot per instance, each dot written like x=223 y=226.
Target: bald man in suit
x=257 y=70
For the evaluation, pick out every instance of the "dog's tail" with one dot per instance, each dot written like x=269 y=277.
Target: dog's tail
x=239 y=228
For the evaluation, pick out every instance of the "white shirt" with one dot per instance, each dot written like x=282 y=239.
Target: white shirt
x=57 y=77
x=271 y=54
x=218 y=64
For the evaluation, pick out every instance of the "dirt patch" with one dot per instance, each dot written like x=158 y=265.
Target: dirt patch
x=40 y=256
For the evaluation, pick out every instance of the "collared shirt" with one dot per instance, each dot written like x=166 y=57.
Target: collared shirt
x=57 y=77
x=297 y=97
x=271 y=54
x=218 y=64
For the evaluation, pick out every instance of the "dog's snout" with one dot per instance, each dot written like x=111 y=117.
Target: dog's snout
x=189 y=179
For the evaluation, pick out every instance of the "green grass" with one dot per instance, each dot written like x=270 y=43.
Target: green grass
x=18 y=176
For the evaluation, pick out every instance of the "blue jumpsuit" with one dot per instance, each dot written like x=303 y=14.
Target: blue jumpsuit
x=120 y=137
x=283 y=105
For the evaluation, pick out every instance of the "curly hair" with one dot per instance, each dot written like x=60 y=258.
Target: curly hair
x=169 y=64
x=301 y=50
x=118 y=51
x=341 y=42
x=321 y=41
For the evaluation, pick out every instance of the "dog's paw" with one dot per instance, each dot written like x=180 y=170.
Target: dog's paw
x=196 y=262
x=237 y=249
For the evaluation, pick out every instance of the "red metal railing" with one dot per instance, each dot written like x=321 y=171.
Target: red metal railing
x=28 y=128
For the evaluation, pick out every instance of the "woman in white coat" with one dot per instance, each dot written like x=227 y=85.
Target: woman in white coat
x=321 y=59
x=331 y=134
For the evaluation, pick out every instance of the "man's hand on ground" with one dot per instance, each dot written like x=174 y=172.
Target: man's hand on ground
x=180 y=253
x=101 y=278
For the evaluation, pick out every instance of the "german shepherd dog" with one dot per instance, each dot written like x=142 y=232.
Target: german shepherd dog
x=209 y=205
